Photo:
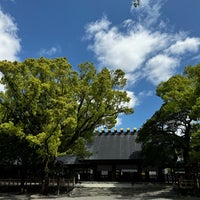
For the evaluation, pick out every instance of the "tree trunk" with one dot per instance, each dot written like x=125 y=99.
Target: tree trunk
x=58 y=185
x=160 y=177
x=22 y=180
x=186 y=162
x=45 y=184
x=22 y=177
x=186 y=151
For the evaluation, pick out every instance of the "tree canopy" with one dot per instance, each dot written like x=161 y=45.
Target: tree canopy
x=53 y=109
x=101 y=98
x=170 y=133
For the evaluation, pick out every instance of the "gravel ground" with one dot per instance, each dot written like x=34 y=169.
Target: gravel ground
x=111 y=191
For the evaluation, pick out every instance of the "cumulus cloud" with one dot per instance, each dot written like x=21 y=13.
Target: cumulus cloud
x=49 y=52
x=123 y=50
x=143 y=47
x=197 y=58
x=9 y=41
x=98 y=26
x=148 y=12
x=131 y=104
x=119 y=122
x=133 y=98
x=160 y=68
x=145 y=93
x=188 y=45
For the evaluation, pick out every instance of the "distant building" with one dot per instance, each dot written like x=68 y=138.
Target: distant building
x=115 y=156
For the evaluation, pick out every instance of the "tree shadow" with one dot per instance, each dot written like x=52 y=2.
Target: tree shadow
x=14 y=196
x=149 y=192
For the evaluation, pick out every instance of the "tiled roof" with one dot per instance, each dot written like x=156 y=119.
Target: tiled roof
x=67 y=160
x=109 y=146
x=114 y=146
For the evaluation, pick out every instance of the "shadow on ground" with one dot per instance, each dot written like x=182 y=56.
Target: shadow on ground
x=140 y=191
x=136 y=192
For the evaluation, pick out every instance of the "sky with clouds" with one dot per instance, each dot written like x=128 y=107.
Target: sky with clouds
x=150 y=43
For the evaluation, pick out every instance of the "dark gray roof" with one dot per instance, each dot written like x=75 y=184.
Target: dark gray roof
x=114 y=146
x=108 y=146
x=68 y=160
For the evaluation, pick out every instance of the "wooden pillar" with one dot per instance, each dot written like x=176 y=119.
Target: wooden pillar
x=147 y=175
x=95 y=173
x=139 y=172
x=113 y=172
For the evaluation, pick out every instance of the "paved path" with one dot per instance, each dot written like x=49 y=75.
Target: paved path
x=110 y=191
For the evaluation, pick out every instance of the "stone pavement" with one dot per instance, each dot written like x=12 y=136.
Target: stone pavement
x=110 y=191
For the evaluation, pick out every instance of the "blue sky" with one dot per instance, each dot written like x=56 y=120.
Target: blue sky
x=150 y=43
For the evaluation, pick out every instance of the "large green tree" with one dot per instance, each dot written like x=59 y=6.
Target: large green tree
x=157 y=136
x=56 y=109
x=100 y=98
x=194 y=75
x=170 y=130
x=38 y=100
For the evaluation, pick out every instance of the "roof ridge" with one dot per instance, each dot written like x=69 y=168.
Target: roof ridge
x=116 y=132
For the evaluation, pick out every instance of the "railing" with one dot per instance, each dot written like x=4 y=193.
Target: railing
x=186 y=184
x=69 y=183
x=10 y=182
x=29 y=182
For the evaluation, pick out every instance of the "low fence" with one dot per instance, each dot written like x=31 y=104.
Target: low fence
x=17 y=182
x=186 y=184
x=30 y=183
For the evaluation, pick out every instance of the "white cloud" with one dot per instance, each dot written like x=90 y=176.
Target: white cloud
x=188 y=45
x=133 y=100
x=146 y=93
x=132 y=78
x=9 y=41
x=148 y=12
x=131 y=104
x=49 y=52
x=119 y=122
x=160 y=68
x=10 y=0
x=143 y=47
x=197 y=58
x=97 y=26
x=126 y=51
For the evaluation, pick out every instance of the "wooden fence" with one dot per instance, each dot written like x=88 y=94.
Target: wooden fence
x=67 y=183
x=186 y=184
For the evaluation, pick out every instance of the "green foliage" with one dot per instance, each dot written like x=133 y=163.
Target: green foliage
x=157 y=136
x=10 y=129
x=195 y=143
x=193 y=73
x=50 y=110
x=38 y=99
x=55 y=109
x=170 y=131
x=100 y=98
